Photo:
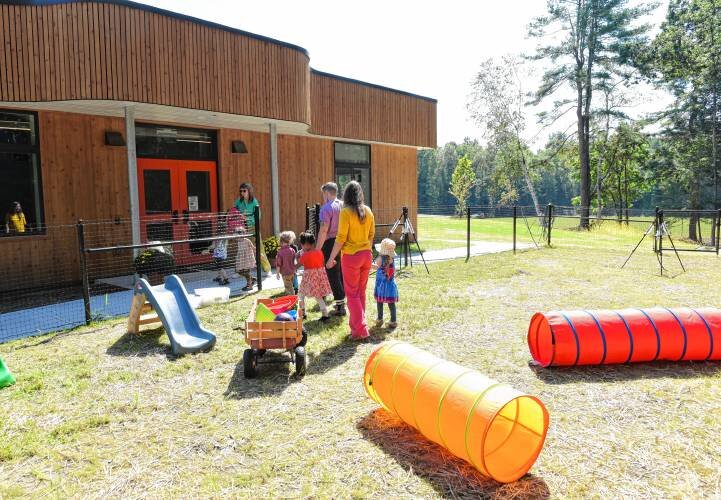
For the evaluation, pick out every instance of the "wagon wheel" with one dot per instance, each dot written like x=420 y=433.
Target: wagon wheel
x=304 y=338
x=301 y=361
x=250 y=363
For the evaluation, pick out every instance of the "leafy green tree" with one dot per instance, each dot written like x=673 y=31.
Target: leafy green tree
x=582 y=39
x=497 y=104
x=624 y=166
x=462 y=182
x=685 y=57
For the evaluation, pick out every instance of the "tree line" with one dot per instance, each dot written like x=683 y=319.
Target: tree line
x=593 y=55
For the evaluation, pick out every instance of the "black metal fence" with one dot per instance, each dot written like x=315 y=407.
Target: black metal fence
x=210 y=254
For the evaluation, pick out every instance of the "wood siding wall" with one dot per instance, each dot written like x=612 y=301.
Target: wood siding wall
x=82 y=179
x=305 y=164
x=253 y=167
x=104 y=51
x=341 y=108
x=395 y=182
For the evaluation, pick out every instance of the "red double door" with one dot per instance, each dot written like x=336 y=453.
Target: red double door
x=178 y=201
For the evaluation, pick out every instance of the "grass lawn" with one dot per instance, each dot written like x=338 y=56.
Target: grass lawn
x=97 y=413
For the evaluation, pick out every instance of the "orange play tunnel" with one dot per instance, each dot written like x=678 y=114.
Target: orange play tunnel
x=575 y=338
x=499 y=430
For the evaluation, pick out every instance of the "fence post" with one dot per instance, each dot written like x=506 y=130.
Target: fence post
x=258 y=243
x=406 y=241
x=660 y=239
x=718 y=231
x=549 y=223
x=468 y=233
x=656 y=230
x=515 y=218
x=316 y=219
x=307 y=217
x=84 y=271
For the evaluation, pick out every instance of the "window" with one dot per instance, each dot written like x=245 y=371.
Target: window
x=20 y=174
x=158 y=141
x=353 y=163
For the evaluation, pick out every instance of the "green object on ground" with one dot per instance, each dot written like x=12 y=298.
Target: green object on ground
x=6 y=378
x=262 y=313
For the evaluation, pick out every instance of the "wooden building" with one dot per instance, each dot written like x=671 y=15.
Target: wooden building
x=112 y=110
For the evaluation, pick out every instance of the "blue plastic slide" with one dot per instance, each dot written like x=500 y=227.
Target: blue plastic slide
x=171 y=304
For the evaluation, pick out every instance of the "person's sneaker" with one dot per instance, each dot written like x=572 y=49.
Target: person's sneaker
x=392 y=325
x=339 y=311
x=324 y=318
x=379 y=323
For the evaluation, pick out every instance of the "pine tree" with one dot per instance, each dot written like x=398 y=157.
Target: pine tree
x=586 y=35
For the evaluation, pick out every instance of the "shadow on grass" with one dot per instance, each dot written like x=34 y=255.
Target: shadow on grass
x=148 y=343
x=272 y=379
x=450 y=476
x=622 y=372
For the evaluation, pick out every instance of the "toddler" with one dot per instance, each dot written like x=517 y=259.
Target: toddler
x=315 y=281
x=285 y=262
x=220 y=251
x=386 y=290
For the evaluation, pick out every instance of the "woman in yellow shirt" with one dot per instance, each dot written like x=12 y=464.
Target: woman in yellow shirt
x=356 y=229
x=15 y=219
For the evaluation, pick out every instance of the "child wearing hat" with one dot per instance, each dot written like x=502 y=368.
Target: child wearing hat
x=386 y=290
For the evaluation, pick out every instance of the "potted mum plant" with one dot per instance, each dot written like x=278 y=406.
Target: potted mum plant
x=271 y=245
x=154 y=264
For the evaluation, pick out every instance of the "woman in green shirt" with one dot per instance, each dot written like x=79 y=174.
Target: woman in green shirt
x=246 y=204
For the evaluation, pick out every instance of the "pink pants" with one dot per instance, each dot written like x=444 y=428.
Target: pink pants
x=355 y=278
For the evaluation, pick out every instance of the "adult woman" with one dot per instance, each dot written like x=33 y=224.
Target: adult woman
x=356 y=229
x=245 y=258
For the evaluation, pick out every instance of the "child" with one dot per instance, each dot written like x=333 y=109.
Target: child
x=15 y=219
x=315 y=281
x=245 y=257
x=285 y=262
x=220 y=251
x=386 y=290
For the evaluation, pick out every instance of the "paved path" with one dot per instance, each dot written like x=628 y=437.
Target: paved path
x=483 y=248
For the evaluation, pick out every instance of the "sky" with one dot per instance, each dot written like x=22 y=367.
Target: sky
x=425 y=47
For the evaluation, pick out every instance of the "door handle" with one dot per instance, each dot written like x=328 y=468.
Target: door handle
x=174 y=217
x=186 y=216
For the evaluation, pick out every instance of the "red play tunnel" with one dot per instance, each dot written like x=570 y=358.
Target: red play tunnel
x=570 y=338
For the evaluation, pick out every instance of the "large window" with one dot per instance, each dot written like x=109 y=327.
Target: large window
x=20 y=174
x=353 y=163
x=159 y=141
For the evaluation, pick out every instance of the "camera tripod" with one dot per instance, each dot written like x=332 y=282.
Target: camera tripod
x=659 y=230
x=408 y=236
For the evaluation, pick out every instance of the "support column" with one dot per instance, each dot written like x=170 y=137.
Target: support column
x=132 y=173
x=274 y=177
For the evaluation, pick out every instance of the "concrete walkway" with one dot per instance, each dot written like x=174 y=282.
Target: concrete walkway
x=481 y=248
